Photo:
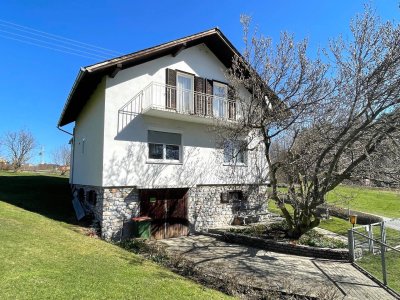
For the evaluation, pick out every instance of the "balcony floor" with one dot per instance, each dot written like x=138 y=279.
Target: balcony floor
x=171 y=114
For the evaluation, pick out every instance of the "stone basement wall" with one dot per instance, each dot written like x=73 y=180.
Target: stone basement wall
x=206 y=210
x=116 y=206
x=113 y=210
x=97 y=209
x=120 y=205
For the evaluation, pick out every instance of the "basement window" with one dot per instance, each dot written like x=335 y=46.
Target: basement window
x=81 y=195
x=164 y=146
x=232 y=197
x=92 y=197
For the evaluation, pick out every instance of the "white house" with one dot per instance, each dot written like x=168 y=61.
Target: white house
x=144 y=144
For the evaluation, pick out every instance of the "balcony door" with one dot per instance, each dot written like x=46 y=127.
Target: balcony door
x=220 y=93
x=184 y=88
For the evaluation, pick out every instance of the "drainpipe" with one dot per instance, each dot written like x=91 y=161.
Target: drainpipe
x=71 y=172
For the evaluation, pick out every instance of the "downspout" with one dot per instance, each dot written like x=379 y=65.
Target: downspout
x=71 y=173
x=82 y=71
x=59 y=128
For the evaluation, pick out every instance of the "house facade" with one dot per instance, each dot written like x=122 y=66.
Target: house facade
x=146 y=143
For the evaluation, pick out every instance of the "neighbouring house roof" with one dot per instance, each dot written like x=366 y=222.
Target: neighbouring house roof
x=89 y=77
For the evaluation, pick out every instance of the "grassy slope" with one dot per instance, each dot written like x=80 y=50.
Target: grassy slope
x=376 y=201
x=43 y=258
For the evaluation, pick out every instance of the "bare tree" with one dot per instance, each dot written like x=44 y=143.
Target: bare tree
x=383 y=167
x=62 y=157
x=318 y=121
x=18 y=146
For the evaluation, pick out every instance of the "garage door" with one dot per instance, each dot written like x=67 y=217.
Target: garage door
x=168 y=210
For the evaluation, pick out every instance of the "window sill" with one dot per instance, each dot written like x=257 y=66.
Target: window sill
x=164 y=162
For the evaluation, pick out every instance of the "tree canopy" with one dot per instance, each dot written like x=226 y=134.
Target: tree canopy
x=319 y=119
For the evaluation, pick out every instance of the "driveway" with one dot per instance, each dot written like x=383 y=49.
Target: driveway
x=392 y=223
x=278 y=271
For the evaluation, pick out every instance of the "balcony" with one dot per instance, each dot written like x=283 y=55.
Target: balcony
x=170 y=102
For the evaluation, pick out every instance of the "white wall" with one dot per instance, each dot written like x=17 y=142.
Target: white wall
x=122 y=161
x=89 y=139
x=125 y=153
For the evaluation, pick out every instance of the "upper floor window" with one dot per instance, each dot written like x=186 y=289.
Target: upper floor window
x=220 y=93
x=184 y=88
x=235 y=152
x=164 y=146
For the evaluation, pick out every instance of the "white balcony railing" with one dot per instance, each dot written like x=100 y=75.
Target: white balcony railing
x=163 y=97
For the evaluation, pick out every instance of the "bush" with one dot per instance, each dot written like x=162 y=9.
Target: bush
x=315 y=239
x=153 y=251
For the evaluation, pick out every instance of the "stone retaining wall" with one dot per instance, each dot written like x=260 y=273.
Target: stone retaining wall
x=280 y=247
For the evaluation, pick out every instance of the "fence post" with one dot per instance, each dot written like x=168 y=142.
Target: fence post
x=351 y=244
x=371 y=241
x=383 y=232
x=383 y=249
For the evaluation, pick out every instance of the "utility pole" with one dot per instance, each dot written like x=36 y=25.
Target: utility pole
x=41 y=154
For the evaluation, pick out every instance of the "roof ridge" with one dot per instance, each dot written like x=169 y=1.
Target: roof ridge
x=113 y=60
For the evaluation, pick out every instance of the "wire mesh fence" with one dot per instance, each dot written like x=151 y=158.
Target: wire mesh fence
x=376 y=249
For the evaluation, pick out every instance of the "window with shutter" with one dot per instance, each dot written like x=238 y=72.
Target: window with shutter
x=199 y=96
x=209 y=100
x=164 y=146
x=231 y=103
x=170 y=90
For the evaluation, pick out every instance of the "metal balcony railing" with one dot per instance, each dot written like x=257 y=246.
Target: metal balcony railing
x=163 y=97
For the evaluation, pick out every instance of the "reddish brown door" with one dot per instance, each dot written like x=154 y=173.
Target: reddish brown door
x=168 y=210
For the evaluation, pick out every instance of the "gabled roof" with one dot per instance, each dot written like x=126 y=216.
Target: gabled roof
x=89 y=77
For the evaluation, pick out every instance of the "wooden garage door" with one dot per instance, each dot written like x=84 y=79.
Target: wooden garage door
x=168 y=210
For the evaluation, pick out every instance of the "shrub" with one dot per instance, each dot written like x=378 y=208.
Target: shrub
x=150 y=250
x=315 y=239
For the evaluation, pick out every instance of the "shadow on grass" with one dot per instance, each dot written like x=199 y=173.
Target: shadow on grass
x=47 y=195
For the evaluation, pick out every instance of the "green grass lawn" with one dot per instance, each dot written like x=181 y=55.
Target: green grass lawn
x=43 y=255
x=372 y=200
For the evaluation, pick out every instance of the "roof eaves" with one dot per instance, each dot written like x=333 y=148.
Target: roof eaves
x=160 y=47
x=82 y=72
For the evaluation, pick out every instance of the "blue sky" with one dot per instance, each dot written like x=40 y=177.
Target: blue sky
x=35 y=82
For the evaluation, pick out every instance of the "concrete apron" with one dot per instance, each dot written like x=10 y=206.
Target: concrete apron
x=276 y=271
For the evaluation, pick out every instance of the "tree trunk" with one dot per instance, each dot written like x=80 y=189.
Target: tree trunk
x=302 y=224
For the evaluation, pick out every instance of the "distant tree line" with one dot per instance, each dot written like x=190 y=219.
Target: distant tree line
x=18 y=148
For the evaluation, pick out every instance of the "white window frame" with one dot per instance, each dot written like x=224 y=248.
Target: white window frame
x=224 y=99
x=164 y=160
x=232 y=161
x=179 y=105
